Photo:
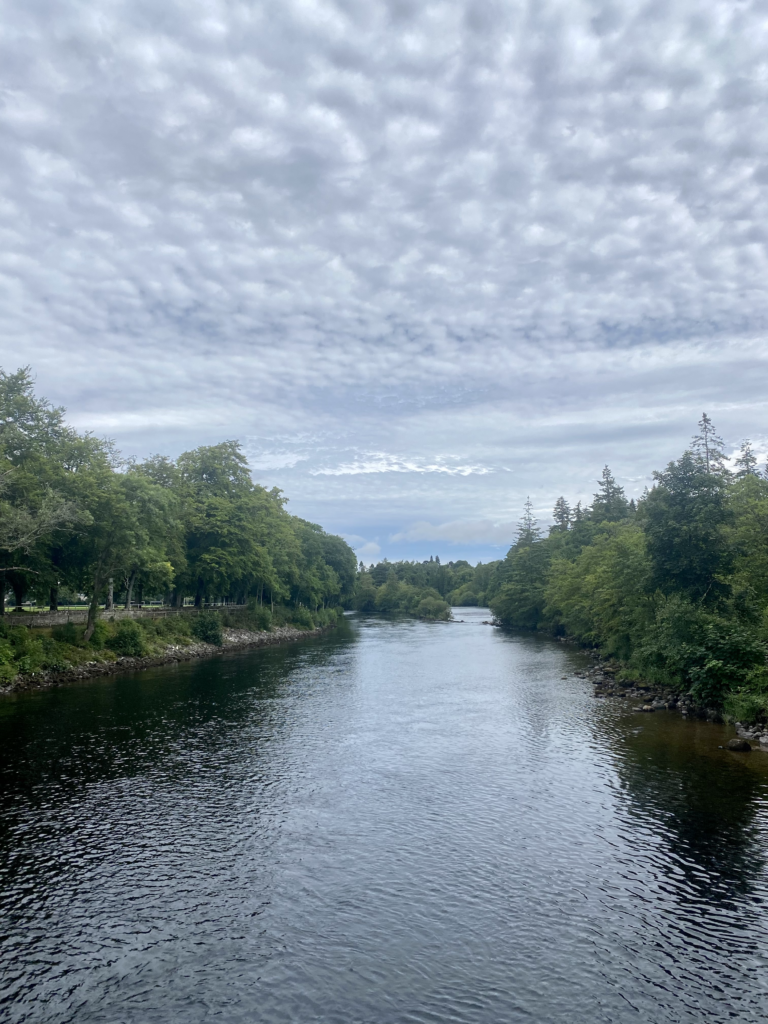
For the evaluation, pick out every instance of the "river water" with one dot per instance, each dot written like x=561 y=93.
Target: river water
x=399 y=822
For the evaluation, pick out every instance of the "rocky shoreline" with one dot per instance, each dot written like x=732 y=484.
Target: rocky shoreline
x=649 y=699
x=234 y=640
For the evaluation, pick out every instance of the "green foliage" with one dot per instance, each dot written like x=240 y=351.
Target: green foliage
x=260 y=617
x=128 y=639
x=675 y=586
x=207 y=628
x=75 y=518
x=100 y=635
x=66 y=634
x=302 y=619
x=433 y=608
x=398 y=588
x=684 y=519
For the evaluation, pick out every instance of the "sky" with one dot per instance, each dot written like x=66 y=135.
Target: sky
x=423 y=259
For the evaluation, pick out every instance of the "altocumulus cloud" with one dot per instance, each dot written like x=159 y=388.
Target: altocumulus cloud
x=363 y=235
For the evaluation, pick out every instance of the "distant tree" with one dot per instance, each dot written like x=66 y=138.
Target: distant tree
x=708 y=446
x=684 y=518
x=528 y=531
x=562 y=515
x=609 y=504
x=746 y=463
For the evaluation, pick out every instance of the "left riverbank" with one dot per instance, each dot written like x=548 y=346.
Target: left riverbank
x=232 y=640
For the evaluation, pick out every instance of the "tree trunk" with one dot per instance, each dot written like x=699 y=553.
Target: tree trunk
x=93 y=613
x=3 y=585
x=129 y=590
x=18 y=593
x=110 y=605
x=199 y=594
x=53 y=599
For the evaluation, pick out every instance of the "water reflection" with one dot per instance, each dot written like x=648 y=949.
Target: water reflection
x=705 y=802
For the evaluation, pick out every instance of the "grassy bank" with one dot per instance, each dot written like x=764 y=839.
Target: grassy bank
x=25 y=651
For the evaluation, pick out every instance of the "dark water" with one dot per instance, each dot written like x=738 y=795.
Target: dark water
x=400 y=822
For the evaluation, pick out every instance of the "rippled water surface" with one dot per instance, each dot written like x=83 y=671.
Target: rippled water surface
x=398 y=822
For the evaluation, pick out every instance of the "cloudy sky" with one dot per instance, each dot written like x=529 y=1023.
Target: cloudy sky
x=421 y=258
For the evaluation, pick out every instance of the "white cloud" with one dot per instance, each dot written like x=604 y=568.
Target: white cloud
x=381 y=462
x=460 y=532
x=532 y=235
x=369 y=550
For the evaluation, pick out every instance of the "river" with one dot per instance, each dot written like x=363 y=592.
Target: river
x=398 y=822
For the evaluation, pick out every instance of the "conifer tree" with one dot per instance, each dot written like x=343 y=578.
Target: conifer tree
x=562 y=515
x=528 y=529
x=610 y=503
x=746 y=463
x=708 y=446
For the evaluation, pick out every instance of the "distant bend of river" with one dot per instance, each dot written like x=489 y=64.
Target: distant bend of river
x=399 y=822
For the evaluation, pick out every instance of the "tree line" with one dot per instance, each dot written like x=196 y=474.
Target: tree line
x=425 y=589
x=77 y=518
x=673 y=586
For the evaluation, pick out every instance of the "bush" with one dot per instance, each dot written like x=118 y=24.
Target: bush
x=128 y=639
x=260 y=618
x=100 y=635
x=302 y=619
x=698 y=650
x=207 y=627
x=434 y=609
x=66 y=634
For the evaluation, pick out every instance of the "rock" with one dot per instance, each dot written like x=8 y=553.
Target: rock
x=738 y=743
x=647 y=707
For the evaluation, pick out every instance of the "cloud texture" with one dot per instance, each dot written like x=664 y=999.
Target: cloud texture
x=424 y=257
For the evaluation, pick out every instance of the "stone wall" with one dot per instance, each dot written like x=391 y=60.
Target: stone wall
x=42 y=619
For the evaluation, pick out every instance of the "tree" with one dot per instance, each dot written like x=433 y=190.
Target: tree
x=528 y=531
x=746 y=463
x=562 y=515
x=708 y=446
x=610 y=503
x=684 y=518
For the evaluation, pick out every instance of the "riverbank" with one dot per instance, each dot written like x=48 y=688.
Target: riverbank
x=648 y=698
x=233 y=640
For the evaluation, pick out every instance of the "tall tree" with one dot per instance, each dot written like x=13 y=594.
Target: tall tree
x=528 y=531
x=610 y=503
x=708 y=446
x=562 y=515
x=746 y=462
x=684 y=518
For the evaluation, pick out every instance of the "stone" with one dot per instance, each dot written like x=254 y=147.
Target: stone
x=647 y=707
x=738 y=743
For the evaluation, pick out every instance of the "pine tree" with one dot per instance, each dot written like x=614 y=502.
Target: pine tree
x=746 y=463
x=527 y=530
x=562 y=515
x=610 y=503
x=708 y=446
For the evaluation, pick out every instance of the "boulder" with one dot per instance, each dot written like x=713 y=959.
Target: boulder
x=739 y=743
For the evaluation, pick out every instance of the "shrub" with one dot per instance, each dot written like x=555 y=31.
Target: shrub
x=66 y=634
x=302 y=619
x=433 y=608
x=128 y=639
x=7 y=673
x=207 y=627
x=696 y=649
x=100 y=635
x=260 y=617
